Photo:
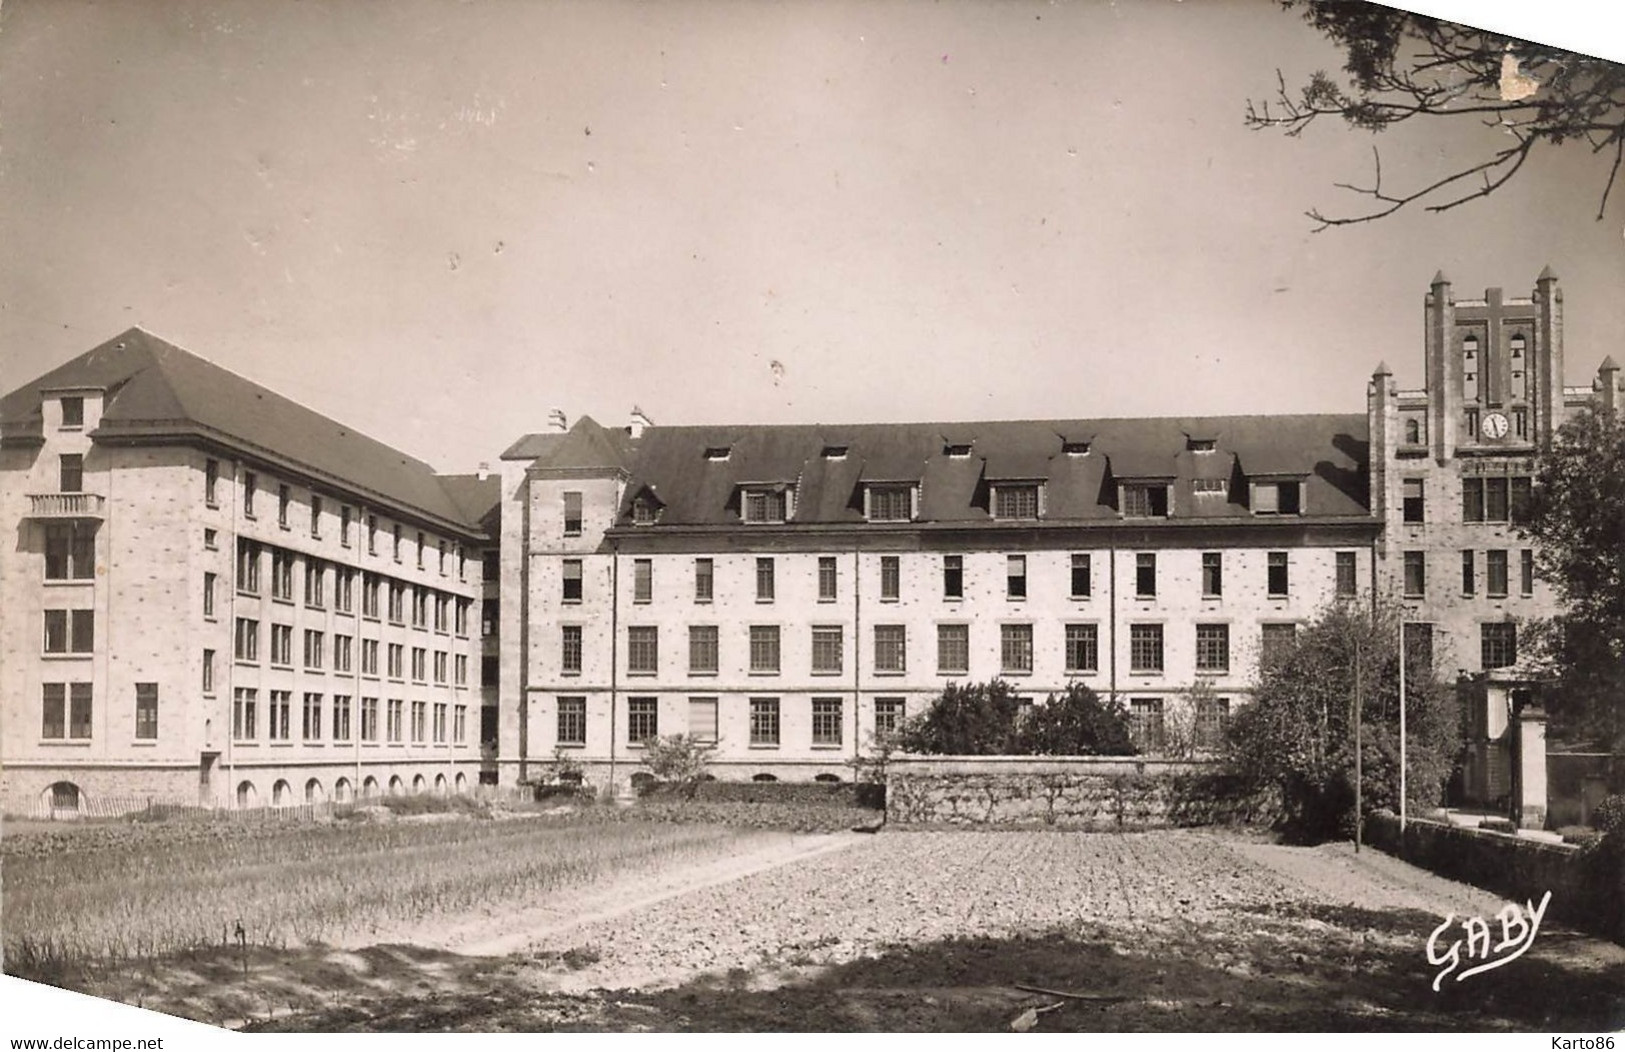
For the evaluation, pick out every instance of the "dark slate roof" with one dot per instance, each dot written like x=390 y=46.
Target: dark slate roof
x=480 y=500
x=157 y=391
x=1327 y=452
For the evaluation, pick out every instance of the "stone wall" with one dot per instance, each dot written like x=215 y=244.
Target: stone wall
x=1069 y=792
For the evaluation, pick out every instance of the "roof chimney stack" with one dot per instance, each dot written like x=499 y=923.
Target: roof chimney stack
x=557 y=421
x=484 y=471
x=640 y=421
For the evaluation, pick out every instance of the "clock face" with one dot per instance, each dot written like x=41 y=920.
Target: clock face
x=1495 y=426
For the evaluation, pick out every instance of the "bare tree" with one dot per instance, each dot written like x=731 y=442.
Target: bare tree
x=1405 y=67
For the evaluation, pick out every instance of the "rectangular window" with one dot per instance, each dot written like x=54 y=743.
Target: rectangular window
x=572 y=580
x=1469 y=583
x=491 y=565
x=1498 y=642
x=247 y=640
x=370 y=587
x=703 y=649
x=643 y=587
x=1419 y=646
x=372 y=535
x=442 y=666
x=1472 y=500
x=284 y=498
x=369 y=657
x=420 y=664
x=703 y=581
x=642 y=719
x=459 y=727
x=891 y=648
x=71 y=472
x=891 y=578
x=442 y=613
x=211 y=538
x=828 y=649
x=146 y=711
x=1276 y=498
x=279 y=716
x=420 y=607
x=764 y=648
x=953 y=649
x=341 y=717
x=459 y=670
x=1347 y=581
x=1495 y=572
x=764 y=721
x=1145 y=574
x=313 y=649
x=1212 y=716
x=395 y=720
x=395 y=541
x=1145 y=724
x=570 y=649
x=422 y=545
x=1497 y=502
x=1145 y=648
x=1526 y=571
x=250 y=487
x=1413 y=505
x=1416 y=577
x=827 y=589
x=1275 y=642
x=439 y=726
x=344 y=589
x=248 y=567
x=70 y=631
x=315 y=583
x=572 y=723
x=891 y=503
x=765 y=505
x=572 y=514
x=344 y=524
x=490 y=616
x=369 y=719
x=208 y=595
x=396 y=657
x=1145 y=502
x=282 y=575
x=827 y=721
x=244 y=706
x=953 y=576
x=702 y=720
x=282 y=644
x=1278 y=578
x=310 y=724
x=211 y=483
x=1015 y=577
x=1082 y=576
x=73 y=411
x=460 y=617
x=1015 y=502
x=1521 y=491
x=70 y=552
x=1213 y=648
x=643 y=649
x=764 y=580
x=1212 y=574
x=1016 y=648
x=889 y=714
x=1082 y=648
x=315 y=516
x=208 y=672
x=420 y=721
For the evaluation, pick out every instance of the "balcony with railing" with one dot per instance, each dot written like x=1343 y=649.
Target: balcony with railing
x=67 y=505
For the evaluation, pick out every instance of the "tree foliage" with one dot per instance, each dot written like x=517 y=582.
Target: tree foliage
x=678 y=759
x=1577 y=522
x=1297 y=734
x=1404 y=67
x=989 y=719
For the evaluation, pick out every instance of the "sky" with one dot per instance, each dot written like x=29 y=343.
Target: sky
x=435 y=220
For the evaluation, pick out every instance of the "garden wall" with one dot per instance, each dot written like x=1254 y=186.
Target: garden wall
x=1587 y=886
x=1069 y=792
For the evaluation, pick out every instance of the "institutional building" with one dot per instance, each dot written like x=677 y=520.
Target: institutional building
x=216 y=595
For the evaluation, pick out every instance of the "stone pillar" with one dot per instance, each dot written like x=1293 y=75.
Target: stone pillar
x=1529 y=801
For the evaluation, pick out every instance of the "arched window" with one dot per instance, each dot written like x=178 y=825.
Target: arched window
x=369 y=788
x=1413 y=431
x=396 y=786
x=246 y=794
x=826 y=777
x=440 y=785
x=642 y=782
x=313 y=792
x=764 y=777
x=420 y=785
x=281 y=794
x=462 y=783
x=342 y=791
x=63 y=797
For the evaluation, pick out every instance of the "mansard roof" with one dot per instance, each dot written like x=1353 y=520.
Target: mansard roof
x=697 y=472
x=157 y=392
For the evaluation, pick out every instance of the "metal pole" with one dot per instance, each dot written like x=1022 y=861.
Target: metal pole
x=1402 y=657
x=1359 y=795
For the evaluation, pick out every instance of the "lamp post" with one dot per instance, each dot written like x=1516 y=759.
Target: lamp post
x=1402 y=796
x=1359 y=710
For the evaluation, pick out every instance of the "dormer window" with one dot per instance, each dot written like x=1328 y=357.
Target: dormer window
x=1075 y=449
x=834 y=453
x=1209 y=487
x=956 y=449
x=765 y=504
x=1015 y=500
x=73 y=411
x=1144 y=500
x=891 y=503
x=1201 y=445
x=717 y=452
x=644 y=512
x=1277 y=498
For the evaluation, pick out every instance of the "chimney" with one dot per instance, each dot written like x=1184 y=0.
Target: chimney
x=557 y=421
x=640 y=421
x=1608 y=384
x=484 y=471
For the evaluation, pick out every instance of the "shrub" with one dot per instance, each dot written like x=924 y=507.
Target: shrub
x=678 y=759
x=988 y=719
x=1580 y=836
x=1609 y=817
x=1078 y=722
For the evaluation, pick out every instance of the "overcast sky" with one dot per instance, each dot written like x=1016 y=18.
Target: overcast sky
x=436 y=219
